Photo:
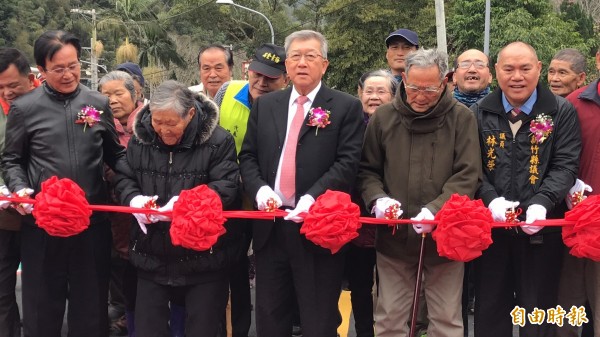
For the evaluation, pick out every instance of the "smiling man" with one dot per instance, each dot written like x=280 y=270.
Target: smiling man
x=16 y=80
x=472 y=77
x=216 y=67
x=566 y=72
x=529 y=172
x=44 y=140
x=266 y=73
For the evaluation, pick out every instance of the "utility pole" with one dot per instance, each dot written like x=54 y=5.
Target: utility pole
x=440 y=25
x=93 y=56
x=486 y=33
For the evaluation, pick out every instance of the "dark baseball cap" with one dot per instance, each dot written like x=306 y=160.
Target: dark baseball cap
x=406 y=34
x=269 y=60
x=132 y=69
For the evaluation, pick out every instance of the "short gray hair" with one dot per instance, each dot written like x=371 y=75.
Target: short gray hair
x=118 y=75
x=574 y=57
x=303 y=35
x=425 y=58
x=392 y=82
x=172 y=95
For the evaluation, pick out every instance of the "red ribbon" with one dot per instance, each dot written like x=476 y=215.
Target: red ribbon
x=464 y=225
x=264 y=215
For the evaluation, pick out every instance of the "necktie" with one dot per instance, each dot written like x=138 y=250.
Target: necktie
x=287 y=182
x=515 y=115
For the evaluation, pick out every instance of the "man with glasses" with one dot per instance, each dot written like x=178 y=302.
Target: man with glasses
x=399 y=44
x=266 y=73
x=472 y=77
x=286 y=162
x=417 y=152
x=44 y=138
x=566 y=72
x=530 y=143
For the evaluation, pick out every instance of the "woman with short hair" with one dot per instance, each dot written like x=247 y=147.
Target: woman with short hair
x=177 y=145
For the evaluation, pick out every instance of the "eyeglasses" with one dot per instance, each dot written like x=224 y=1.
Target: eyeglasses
x=61 y=71
x=380 y=92
x=309 y=57
x=468 y=64
x=413 y=89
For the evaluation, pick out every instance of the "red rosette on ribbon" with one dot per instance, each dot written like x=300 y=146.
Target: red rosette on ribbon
x=464 y=228
x=584 y=237
x=61 y=208
x=197 y=219
x=332 y=221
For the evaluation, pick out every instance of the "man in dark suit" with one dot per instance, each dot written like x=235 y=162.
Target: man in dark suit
x=286 y=160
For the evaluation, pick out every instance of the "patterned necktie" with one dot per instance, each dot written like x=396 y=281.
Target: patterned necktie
x=515 y=115
x=287 y=183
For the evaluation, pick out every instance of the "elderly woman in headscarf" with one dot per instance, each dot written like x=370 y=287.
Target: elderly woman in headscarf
x=176 y=146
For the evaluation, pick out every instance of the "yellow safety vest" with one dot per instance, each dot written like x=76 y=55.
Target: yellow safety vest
x=235 y=110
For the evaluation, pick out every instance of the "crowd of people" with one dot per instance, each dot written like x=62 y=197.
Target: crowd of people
x=412 y=136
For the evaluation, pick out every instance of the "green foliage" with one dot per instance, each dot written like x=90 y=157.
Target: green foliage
x=584 y=23
x=169 y=33
x=356 y=32
x=531 y=21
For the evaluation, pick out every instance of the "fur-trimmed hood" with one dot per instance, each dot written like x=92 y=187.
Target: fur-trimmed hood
x=197 y=132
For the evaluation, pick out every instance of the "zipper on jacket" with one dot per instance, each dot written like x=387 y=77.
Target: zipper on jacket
x=166 y=245
x=71 y=139
x=512 y=168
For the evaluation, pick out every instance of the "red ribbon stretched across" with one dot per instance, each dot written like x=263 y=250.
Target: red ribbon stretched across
x=263 y=215
x=461 y=222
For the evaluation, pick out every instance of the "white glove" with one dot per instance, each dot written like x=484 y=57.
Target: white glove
x=382 y=204
x=579 y=186
x=263 y=196
x=6 y=193
x=24 y=208
x=534 y=212
x=143 y=219
x=499 y=206
x=297 y=215
x=166 y=208
x=420 y=228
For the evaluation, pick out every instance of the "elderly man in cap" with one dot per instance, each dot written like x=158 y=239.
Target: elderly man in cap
x=138 y=79
x=399 y=44
x=266 y=73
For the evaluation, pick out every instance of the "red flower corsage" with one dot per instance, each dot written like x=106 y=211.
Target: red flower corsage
x=318 y=117
x=88 y=116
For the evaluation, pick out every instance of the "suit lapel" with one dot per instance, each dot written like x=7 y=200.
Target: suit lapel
x=322 y=99
x=280 y=114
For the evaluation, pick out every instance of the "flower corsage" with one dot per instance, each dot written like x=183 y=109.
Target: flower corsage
x=318 y=117
x=88 y=116
x=541 y=128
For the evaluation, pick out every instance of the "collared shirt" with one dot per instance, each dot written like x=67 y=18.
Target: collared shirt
x=526 y=108
x=291 y=112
